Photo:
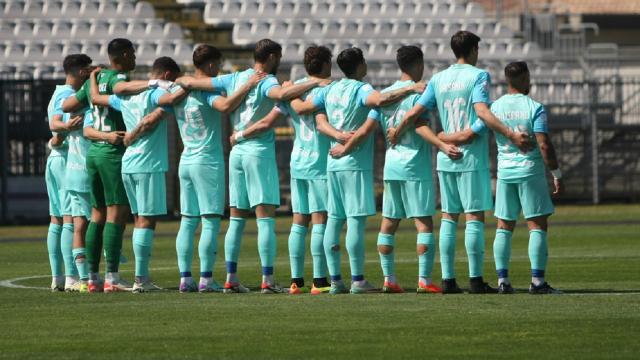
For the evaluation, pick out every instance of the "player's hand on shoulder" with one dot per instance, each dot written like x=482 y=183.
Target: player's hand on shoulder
x=96 y=70
x=257 y=77
x=324 y=82
x=185 y=81
x=287 y=84
x=337 y=151
x=420 y=86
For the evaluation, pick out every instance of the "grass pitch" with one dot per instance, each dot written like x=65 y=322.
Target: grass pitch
x=594 y=258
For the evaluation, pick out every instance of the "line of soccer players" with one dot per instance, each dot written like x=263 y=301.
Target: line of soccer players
x=110 y=155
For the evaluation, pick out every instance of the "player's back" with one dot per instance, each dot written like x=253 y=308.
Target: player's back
x=310 y=147
x=346 y=112
x=520 y=113
x=200 y=128
x=77 y=178
x=55 y=108
x=456 y=90
x=255 y=106
x=409 y=159
x=149 y=152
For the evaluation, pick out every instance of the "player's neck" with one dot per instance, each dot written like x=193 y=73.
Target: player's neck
x=512 y=91
x=407 y=77
x=199 y=74
x=73 y=82
x=261 y=67
x=317 y=77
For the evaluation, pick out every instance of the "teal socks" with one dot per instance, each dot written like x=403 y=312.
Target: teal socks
x=502 y=253
x=184 y=242
x=142 y=243
x=448 y=230
x=267 y=243
x=332 y=246
x=426 y=260
x=355 y=244
x=53 y=248
x=297 y=250
x=538 y=252
x=474 y=243
x=79 y=256
x=232 y=242
x=208 y=246
x=66 y=247
x=317 y=251
x=387 y=260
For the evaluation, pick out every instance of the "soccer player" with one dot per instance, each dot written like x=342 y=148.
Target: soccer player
x=60 y=234
x=350 y=166
x=202 y=169
x=110 y=207
x=309 y=178
x=461 y=94
x=253 y=174
x=408 y=184
x=145 y=160
x=522 y=182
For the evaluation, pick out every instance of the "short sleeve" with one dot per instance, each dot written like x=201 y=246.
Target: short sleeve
x=267 y=84
x=116 y=79
x=212 y=97
x=320 y=97
x=57 y=105
x=428 y=98
x=83 y=94
x=115 y=102
x=155 y=96
x=88 y=119
x=540 y=121
x=222 y=83
x=363 y=93
x=478 y=127
x=481 y=89
x=374 y=114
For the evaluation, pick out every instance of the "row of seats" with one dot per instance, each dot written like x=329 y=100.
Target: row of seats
x=52 y=52
x=230 y=11
x=385 y=50
x=248 y=31
x=85 y=9
x=81 y=29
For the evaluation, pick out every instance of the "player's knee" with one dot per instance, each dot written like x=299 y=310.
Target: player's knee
x=385 y=249
x=422 y=249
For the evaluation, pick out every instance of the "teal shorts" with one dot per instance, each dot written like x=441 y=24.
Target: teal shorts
x=467 y=192
x=350 y=193
x=408 y=199
x=253 y=181
x=59 y=204
x=308 y=196
x=80 y=203
x=147 y=193
x=531 y=196
x=202 y=189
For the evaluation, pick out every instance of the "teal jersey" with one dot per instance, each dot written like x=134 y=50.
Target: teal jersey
x=344 y=103
x=410 y=159
x=454 y=91
x=55 y=108
x=149 y=152
x=200 y=128
x=520 y=113
x=310 y=147
x=255 y=106
x=76 y=176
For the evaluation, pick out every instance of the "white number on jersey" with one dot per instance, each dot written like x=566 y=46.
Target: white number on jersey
x=457 y=117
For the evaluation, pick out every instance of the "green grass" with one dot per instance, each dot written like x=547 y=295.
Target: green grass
x=595 y=258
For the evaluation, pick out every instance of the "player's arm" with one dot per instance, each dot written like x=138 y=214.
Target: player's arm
x=72 y=103
x=96 y=98
x=227 y=104
x=519 y=139
x=137 y=86
x=171 y=98
x=325 y=128
x=303 y=107
x=113 y=138
x=378 y=99
x=425 y=132
x=258 y=127
x=465 y=136
x=550 y=159
x=148 y=123
x=358 y=137
x=426 y=101
x=280 y=93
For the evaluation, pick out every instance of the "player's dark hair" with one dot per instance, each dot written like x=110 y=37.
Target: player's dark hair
x=349 y=59
x=75 y=62
x=314 y=59
x=165 y=63
x=408 y=56
x=463 y=42
x=516 y=75
x=119 y=46
x=264 y=48
x=204 y=54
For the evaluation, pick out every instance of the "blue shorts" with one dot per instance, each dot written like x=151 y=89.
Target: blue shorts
x=408 y=199
x=147 y=193
x=308 y=196
x=80 y=203
x=59 y=204
x=202 y=189
x=253 y=181
x=531 y=196
x=467 y=192
x=350 y=193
